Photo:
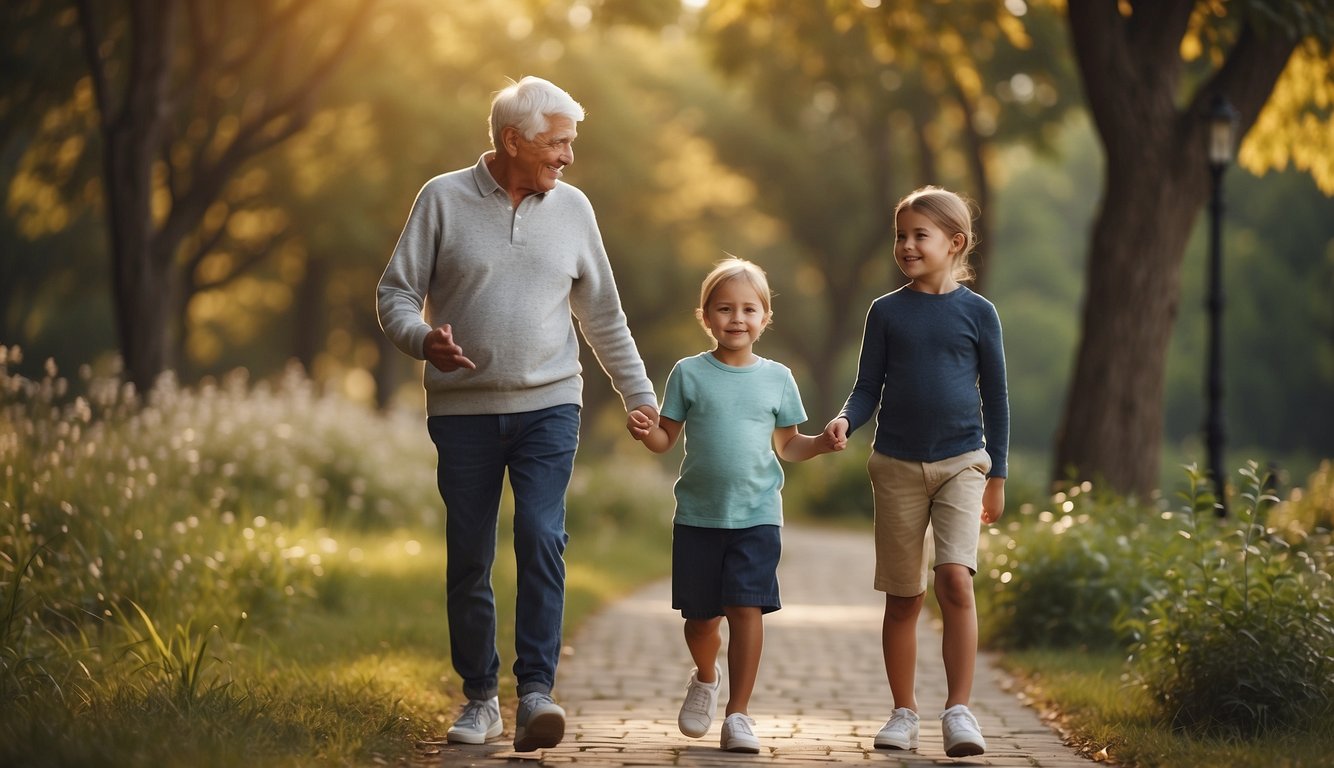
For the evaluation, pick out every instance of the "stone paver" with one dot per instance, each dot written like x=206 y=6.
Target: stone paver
x=821 y=694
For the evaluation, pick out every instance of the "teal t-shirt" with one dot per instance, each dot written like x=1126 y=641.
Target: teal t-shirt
x=730 y=477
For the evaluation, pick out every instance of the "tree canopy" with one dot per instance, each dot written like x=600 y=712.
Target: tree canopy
x=265 y=189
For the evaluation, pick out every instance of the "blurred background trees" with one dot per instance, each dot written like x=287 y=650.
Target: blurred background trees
x=782 y=133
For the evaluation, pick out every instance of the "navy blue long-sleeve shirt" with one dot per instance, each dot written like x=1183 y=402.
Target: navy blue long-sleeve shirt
x=935 y=364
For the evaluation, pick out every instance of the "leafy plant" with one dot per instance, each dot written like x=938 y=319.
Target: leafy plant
x=1236 y=635
x=1061 y=576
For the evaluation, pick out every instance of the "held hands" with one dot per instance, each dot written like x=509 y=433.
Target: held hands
x=641 y=421
x=826 y=443
x=835 y=436
x=440 y=350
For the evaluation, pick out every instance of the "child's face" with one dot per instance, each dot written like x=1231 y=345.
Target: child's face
x=923 y=251
x=735 y=317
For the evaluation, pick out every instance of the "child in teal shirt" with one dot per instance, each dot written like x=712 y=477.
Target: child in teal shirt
x=739 y=413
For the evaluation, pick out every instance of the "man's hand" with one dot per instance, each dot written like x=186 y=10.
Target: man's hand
x=440 y=350
x=642 y=421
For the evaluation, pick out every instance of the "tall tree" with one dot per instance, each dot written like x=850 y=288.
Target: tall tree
x=187 y=92
x=1148 y=96
x=850 y=105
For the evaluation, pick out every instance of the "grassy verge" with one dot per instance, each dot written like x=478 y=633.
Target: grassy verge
x=358 y=676
x=1105 y=718
x=248 y=574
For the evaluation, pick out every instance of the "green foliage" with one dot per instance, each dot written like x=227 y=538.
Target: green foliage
x=1237 y=633
x=247 y=573
x=620 y=494
x=1100 y=714
x=213 y=503
x=833 y=487
x=1309 y=509
x=1059 y=577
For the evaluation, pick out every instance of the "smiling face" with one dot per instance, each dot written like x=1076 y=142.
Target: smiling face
x=735 y=317
x=926 y=254
x=533 y=166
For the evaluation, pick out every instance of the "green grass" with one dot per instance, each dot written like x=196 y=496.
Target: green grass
x=1087 y=694
x=236 y=575
x=362 y=674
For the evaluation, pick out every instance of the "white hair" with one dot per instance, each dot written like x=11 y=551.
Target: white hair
x=526 y=105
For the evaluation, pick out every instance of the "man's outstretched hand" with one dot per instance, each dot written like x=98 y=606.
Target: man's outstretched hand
x=443 y=352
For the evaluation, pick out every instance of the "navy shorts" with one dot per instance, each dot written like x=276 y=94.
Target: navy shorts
x=714 y=567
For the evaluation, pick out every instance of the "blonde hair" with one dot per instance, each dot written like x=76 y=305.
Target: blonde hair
x=730 y=269
x=953 y=214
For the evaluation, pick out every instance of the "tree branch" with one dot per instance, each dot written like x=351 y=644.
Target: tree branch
x=274 y=124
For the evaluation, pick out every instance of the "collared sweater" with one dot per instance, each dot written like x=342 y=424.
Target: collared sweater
x=511 y=282
x=935 y=365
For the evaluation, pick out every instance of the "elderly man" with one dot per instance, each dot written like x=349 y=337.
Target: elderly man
x=494 y=262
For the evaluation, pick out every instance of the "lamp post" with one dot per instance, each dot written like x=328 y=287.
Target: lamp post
x=1222 y=139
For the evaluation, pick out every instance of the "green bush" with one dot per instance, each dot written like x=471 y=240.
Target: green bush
x=179 y=571
x=1060 y=577
x=1237 y=634
x=833 y=487
x=624 y=492
x=1308 y=510
x=107 y=502
x=186 y=508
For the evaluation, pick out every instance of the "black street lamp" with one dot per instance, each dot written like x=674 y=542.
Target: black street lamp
x=1222 y=140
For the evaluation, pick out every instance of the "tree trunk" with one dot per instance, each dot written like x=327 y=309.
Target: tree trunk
x=1113 y=426
x=309 y=313
x=132 y=131
x=1157 y=181
x=134 y=104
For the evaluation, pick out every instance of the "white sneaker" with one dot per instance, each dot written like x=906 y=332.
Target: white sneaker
x=899 y=731
x=700 y=705
x=540 y=723
x=963 y=736
x=738 y=734
x=478 y=723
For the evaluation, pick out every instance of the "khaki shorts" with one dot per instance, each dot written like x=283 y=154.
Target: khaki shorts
x=945 y=495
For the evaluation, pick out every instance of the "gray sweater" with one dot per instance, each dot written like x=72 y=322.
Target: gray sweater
x=510 y=283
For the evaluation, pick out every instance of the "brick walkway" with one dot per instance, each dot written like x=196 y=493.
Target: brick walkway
x=821 y=695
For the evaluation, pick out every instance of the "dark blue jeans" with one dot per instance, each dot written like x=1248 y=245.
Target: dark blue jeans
x=537 y=448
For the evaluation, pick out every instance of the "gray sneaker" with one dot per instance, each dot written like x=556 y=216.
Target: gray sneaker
x=478 y=723
x=701 y=704
x=540 y=723
x=739 y=734
x=899 y=731
x=963 y=736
